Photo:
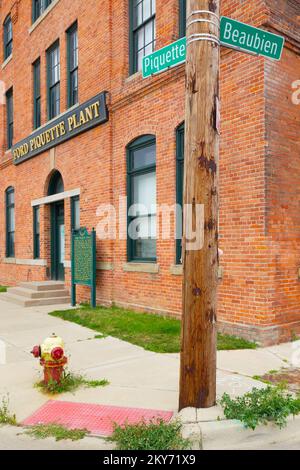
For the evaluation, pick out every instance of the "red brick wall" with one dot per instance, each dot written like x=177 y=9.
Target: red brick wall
x=260 y=288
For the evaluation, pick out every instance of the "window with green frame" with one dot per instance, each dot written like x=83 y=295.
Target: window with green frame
x=38 y=8
x=72 y=65
x=7 y=37
x=10 y=117
x=36 y=93
x=142 y=31
x=179 y=190
x=182 y=18
x=10 y=222
x=141 y=193
x=36 y=232
x=75 y=213
x=53 y=80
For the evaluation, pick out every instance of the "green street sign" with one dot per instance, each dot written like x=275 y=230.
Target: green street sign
x=165 y=58
x=244 y=37
x=233 y=34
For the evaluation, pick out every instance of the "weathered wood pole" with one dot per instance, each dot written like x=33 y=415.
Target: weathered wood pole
x=200 y=265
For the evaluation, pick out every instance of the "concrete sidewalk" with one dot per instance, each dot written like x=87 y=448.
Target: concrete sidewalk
x=137 y=378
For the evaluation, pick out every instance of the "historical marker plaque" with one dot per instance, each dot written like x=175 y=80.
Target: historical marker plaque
x=84 y=262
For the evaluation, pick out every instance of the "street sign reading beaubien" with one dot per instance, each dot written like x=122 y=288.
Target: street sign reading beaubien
x=244 y=37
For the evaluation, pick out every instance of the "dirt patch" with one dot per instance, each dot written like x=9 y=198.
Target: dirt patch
x=291 y=377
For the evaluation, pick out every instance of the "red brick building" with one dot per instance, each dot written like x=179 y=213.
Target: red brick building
x=77 y=64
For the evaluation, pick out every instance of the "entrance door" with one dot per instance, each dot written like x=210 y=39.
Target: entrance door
x=58 y=242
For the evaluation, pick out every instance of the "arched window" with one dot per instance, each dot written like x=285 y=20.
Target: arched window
x=141 y=193
x=10 y=222
x=182 y=18
x=7 y=37
x=179 y=189
x=56 y=184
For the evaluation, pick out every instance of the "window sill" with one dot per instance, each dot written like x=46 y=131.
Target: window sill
x=43 y=16
x=133 y=77
x=25 y=262
x=176 y=270
x=101 y=266
x=150 y=268
x=54 y=119
x=6 y=61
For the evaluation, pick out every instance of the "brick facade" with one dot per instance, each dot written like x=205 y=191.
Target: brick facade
x=259 y=295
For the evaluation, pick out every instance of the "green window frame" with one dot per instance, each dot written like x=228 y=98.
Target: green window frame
x=75 y=213
x=38 y=8
x=141 y=197
x=7 y=37
x=9 y=117
x=142 y=37
x=182 y=18
x=72 y=64
x=179 y=190
x=36 y=93
x=36 y=232
x=10 y=222
x=53 y=80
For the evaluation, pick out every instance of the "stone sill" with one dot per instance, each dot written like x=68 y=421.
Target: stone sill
x=105 y=266
x=150 y=268
x=176 y=270
x=59 y=116
x=101 y=266
x=6 y=61
x=43 y=16
x=25 y=262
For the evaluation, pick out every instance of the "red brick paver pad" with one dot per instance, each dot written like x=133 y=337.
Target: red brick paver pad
x=97 y=419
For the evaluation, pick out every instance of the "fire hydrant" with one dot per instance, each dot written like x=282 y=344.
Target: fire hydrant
x=52 y=358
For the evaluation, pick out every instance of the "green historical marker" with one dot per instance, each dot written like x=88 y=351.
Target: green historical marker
x=165 y=58
x=84 y=262
x=244 y=37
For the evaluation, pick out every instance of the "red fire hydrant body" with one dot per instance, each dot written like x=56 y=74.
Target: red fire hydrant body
x=52 y=358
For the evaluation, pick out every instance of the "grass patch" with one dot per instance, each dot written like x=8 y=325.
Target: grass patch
x=69 y=383
x=227 y=343
x=151 y=332
x=3 y=289
x=156 y=435
x=6 y=417
x=272 y=404
x=259 y=378
x=59 y=433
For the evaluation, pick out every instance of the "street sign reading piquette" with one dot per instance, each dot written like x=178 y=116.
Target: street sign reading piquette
x=233 y=34
x=169 y=56
x=244 y=37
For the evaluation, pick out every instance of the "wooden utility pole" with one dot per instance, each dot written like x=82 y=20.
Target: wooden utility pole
x=200 y=266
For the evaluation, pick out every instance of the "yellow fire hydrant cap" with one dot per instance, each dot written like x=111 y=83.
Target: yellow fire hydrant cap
x=49 y=344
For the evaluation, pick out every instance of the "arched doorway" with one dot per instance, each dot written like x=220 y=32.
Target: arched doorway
x=56 y=186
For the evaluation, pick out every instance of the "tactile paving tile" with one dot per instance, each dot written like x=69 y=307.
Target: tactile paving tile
x=98 y=419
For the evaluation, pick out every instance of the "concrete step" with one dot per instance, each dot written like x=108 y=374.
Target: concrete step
x=34 y=294
x=24 y=302
x=43 y=286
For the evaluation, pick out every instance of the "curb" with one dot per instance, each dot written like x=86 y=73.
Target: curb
x=232 y=435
